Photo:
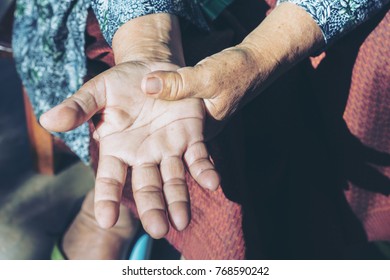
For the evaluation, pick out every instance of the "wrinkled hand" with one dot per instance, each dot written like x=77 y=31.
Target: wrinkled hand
x=156 y=138
x=231 y=78
x=221 y=80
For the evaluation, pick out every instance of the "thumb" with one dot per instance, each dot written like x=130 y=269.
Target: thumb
x=77 y=109
x=175 y=85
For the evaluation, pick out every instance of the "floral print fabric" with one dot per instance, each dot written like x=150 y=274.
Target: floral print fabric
x=335 y=17
x=48 y=46
x=111 y=14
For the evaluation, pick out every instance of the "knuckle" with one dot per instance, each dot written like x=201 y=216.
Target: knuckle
x=109 y=182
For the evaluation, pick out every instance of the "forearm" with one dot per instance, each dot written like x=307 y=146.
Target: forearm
x=150 y=38
x=147 y=29
x=293 y=32
x=285 y=37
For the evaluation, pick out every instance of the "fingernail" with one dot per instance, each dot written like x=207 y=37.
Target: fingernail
x=153 y=85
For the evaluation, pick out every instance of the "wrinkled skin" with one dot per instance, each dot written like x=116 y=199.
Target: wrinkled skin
x=228 y=80
x=221 y=80
x=157 y=139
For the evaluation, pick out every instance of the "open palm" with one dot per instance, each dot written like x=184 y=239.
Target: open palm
x=158 y=139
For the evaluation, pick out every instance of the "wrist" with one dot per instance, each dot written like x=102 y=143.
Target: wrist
x=154 y=38
x=288 y=35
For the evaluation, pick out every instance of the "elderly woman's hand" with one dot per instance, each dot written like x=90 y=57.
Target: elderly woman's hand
x=158 y=139
x=231 y=78
x=221 y=80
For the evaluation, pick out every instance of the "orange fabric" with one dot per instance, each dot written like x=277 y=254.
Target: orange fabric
x=367 y=115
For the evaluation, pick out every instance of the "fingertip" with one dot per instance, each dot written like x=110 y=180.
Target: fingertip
x=43 y=120
x=209 y=179
x=106 y=213
x=155 y=223
x=50 y=121
x=179 y=215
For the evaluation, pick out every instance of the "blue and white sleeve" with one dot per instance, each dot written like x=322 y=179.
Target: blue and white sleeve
x=111 y=14
x=336 y=17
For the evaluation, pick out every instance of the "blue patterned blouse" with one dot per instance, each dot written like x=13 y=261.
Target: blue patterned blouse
x=335 y=17
x=48 y=41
